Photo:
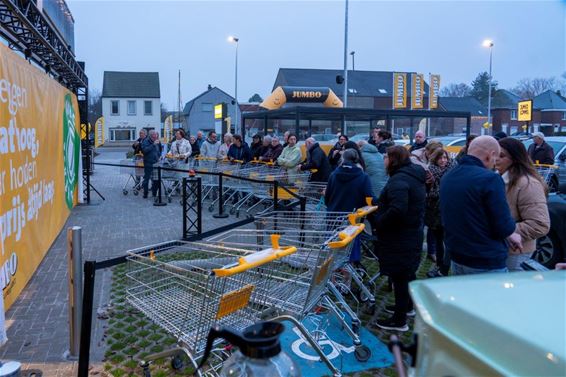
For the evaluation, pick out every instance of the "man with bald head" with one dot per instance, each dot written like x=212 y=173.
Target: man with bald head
x=477 y=221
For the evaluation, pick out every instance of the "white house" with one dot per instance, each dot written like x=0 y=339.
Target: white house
x=130 y=101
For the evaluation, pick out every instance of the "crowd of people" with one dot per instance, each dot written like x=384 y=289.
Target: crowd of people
x=481 y=211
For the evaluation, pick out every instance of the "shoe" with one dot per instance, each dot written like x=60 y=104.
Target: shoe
x=145 y=196
x=390 y=324
x=391 y=310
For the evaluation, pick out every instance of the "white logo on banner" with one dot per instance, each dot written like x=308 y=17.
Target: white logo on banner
x=324 y=342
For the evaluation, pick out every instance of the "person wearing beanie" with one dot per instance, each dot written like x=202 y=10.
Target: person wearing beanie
x=500 y=135
x=539 y=151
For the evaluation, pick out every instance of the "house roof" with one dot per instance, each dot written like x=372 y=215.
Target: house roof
x=549 y=100
x=504 y=99
x=467 y=104
x=360 y=83
x=131 y=84
x=189 y=105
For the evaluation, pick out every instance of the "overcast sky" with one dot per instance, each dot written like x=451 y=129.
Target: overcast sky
x=423 y=36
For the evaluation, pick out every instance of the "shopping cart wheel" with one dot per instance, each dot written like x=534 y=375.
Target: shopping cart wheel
x=177 y=363
x=169 y=199
x=136 y=192
x=211 y=209
x=362 y=353
x=369 y=309
x=232 y=211
x=125 y=192
x=238 y=214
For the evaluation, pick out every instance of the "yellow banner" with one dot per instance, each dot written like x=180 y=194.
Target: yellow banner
x=417 y=91
x=39 y=167
x=525 y=111
x=99 y=132
x=434 y=91
x=168 y=128
x=399 y=90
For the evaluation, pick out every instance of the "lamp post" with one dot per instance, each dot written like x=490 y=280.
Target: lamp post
x=489 y=43
x=236 y=123
x=353 y=53
x=346 y=56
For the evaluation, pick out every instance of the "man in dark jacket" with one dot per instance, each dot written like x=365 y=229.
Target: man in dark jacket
x=539 y=151
x=316 y=159
x=420 y=141
x=151 y=148
x=239 y=150
x=257 y=148
x=475 y=213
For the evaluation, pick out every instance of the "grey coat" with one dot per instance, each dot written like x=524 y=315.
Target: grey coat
x=374 y=168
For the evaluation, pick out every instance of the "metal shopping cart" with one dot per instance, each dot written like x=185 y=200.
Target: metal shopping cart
x=186 y=288
x=301 y=288
x=549 y=175
x=134 y=169
x=171 y=179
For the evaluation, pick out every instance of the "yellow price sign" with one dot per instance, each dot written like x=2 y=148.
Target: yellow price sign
x=525 y=111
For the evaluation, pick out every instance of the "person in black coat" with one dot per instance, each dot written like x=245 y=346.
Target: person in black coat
x=257 y=148
x=151 y=149
x=195 y=148
x=316 y=159
x=336 y=152
x=239 y=150
x=399 y=224
x=539 y=151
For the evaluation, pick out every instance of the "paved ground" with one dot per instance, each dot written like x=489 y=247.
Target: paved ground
x=38 y=321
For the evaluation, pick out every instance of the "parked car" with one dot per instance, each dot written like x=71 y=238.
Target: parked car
x=325 y=137
x=450 y=141
x=551 y=248
x=558 y=143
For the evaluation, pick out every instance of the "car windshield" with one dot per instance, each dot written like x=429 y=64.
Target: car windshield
x=556 y=145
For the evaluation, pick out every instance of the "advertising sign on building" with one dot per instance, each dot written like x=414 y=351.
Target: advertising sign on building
x=39 y=167
x=168 y=128
x=417 y=91
x=399 y=90
x=434 y=91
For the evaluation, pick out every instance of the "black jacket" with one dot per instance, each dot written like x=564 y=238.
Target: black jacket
x=417 y=146
x=316 y=159
x=257 y=150
x=138 y=147
x=151 y=151
x=332 y=158
x=241 y=154
x=195 y=149
x=399 y=220
x=382 y=146
x=543 y=154
x=347 y=189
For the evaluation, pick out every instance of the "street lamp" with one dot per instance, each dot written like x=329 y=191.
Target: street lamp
x=235 y=40
x=489 y=44
x=353 y=53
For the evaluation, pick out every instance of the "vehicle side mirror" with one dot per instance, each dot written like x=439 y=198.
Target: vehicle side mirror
x=562 y=157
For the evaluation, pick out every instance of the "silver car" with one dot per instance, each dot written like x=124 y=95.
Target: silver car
x=558 y=143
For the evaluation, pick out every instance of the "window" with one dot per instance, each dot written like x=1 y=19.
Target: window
x=206 y=107
x=131 y=107
x=564 y=115
x=147 y=108
x=513 y=114
x=115 y=108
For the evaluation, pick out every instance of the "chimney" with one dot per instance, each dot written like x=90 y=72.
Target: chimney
x=559 y=93
x=209 y=86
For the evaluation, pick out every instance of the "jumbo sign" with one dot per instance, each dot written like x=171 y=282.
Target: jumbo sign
x=283 y=94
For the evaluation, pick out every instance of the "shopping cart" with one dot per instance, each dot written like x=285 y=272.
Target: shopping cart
x=186 y=288
x=301 y=289
x=549 y=175
x=171 y=179
x=134 y=169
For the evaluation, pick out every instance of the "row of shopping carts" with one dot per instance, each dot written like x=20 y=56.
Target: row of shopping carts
x=283 y=267
x=245 y=186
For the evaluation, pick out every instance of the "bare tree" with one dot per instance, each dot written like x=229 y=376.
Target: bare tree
x=529 y=88
x=94 y=105
x=456 y=90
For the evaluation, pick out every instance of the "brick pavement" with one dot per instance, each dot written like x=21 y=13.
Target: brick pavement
x=37 y=323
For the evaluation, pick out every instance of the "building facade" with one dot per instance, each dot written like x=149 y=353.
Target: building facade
x=130 y=101
x=199 y=112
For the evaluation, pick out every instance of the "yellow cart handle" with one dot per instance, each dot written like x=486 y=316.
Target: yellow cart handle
x=257 y=259
x=346 y=236
x=537 y=165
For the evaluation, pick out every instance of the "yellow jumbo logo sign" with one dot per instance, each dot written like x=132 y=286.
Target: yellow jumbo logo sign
x=39 y=158
x=305 y=94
